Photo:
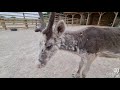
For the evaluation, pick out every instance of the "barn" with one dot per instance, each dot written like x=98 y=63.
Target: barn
x=90 y=18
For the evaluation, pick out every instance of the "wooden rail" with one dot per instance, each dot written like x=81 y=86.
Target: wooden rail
x=18 y=23
x=18 y=20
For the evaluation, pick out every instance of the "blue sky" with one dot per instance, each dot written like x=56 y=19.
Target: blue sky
x=20 y=14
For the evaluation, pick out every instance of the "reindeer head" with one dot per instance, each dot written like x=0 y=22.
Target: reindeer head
x=50 y=37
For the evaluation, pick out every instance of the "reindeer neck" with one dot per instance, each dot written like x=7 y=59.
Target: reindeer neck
x=68 y=43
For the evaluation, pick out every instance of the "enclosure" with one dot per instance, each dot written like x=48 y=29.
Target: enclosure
x=31 y=20
x=19 y=52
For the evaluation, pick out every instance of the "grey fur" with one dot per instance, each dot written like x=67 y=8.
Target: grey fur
x=87 y=43
x=93 y=40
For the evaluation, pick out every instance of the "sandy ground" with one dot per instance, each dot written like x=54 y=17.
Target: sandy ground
x=19 y=52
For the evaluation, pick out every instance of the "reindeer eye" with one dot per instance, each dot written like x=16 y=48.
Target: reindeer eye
x=49 y=47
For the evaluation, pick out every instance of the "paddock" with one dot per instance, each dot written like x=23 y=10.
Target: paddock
x=19 y=52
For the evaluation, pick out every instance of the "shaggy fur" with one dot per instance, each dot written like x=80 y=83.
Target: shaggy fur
x=87 y=43
x=92 y=39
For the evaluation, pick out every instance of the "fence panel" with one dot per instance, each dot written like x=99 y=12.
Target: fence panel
x=18 y=20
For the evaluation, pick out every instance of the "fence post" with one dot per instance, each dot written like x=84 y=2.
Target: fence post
x=3 y=24
x=32 y=22
x=25 y=21
x=36 y=23
x=66 y=19
x=72 y=19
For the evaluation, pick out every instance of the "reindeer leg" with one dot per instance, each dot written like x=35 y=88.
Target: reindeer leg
x=81 y=65
x=90 y=59
x=77 y=75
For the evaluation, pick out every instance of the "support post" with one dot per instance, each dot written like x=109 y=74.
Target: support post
x=116 y=14
x=88 y=18
x=81 y=18
x=99 y=18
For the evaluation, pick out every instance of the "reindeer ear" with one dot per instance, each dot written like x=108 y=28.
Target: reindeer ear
x=60 y=27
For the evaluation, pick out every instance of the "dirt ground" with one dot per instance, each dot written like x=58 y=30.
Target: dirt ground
x=19 y=52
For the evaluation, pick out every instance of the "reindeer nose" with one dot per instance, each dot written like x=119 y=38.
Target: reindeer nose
x=41 y=64
x=42 y=50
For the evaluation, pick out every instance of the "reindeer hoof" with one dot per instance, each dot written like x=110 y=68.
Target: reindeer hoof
x=76 y=75
x=40 y=65
x=83 y=76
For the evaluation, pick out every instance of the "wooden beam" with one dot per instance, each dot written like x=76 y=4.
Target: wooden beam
x=66 y=19
x=116 y=14
x=100 y=18
x=88 y=18
x=25 y=21
x=72 y=19
x=3 y=24
x=81 y=18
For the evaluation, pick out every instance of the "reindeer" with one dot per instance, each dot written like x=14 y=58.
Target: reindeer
x=88 y=43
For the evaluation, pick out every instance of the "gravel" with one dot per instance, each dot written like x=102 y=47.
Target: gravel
x=19 y=52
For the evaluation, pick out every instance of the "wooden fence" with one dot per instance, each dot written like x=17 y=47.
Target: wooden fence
x=19 y=20
x=18 y=23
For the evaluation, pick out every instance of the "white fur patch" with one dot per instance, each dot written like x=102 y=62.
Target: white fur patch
x=42 y=41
